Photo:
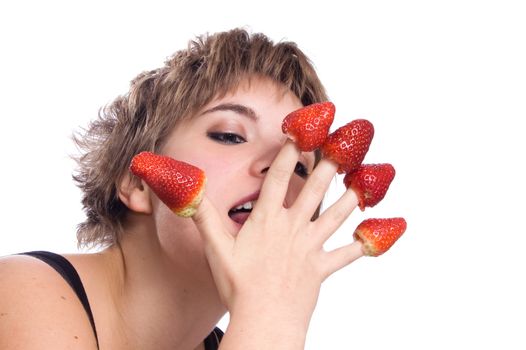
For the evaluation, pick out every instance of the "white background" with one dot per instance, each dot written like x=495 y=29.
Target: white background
x=444 y=83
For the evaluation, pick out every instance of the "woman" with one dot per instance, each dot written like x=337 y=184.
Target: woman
x=161 y=281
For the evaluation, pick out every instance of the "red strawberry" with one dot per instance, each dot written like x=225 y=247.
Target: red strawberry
x=308 y=126
x=378 y=235
x=370 y=183
x=348 y=145
x=178 y=184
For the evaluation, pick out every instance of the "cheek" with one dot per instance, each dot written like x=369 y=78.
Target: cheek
x=211 y=163
x=220 y=173
x=215 y=168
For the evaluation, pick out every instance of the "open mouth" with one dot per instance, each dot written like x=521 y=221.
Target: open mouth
x=240 y=213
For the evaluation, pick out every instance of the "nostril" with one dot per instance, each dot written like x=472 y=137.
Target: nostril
x=264 y=171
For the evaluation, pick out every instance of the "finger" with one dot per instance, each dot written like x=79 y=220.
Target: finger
x=341 y=257
x=278 y=176
x=315 y=188
x=211 y=227
x=332 y=218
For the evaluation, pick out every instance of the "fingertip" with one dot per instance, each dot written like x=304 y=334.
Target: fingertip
x=202 y=211
x=357 y=248
x=290 y=144
x=329 y=165
x=353 y=197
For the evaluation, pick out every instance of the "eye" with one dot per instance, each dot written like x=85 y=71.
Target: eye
x=301 y=170
x=226 y=138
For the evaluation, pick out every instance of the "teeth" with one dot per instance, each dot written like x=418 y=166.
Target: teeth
x=246 y=206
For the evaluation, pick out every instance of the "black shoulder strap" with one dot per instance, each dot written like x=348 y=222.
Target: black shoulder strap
x=68 y=272
x=213 y=339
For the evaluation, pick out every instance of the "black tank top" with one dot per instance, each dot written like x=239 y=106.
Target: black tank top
x=68 y=272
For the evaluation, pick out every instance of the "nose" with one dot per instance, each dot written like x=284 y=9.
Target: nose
x=263 y=159
x=264 y=171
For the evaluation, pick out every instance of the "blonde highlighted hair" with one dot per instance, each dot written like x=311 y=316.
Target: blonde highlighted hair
x=142 y=119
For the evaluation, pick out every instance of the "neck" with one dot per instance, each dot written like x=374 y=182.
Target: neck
x=163 y=296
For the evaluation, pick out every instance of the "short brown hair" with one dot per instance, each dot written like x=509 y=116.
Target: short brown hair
x=141 y=119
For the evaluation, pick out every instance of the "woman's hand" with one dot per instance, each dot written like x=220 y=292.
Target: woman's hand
x=274 y=267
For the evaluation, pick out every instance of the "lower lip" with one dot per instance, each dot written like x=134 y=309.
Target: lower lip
x=240 y=218
x=237 y=226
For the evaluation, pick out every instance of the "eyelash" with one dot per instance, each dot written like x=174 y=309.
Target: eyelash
x=301 y=170
x=229 y=138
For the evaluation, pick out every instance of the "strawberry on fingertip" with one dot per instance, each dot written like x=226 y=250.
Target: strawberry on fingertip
x=309 y=126
x=378 y=235
x=370 y=182
x=348 y=145
x=179 y=185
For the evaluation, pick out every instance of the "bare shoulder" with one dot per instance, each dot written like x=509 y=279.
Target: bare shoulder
x=37 y=306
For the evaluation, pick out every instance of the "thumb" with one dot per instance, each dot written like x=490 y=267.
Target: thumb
x=209 y=223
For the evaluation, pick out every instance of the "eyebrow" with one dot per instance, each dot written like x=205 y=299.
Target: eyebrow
x=234 y=107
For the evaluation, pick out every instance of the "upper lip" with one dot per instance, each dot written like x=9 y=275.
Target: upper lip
x=250 y=198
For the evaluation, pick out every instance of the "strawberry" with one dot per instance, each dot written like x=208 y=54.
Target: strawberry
x=348 y=145
x=370 y=183
x=178 y=184
x=308 y=126
x=378 y=235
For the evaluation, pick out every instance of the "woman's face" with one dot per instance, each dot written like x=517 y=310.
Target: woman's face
x=234 y=139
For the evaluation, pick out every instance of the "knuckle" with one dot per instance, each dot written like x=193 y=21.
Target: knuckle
x=316 y=186
x=279 y=175
x=339 y=214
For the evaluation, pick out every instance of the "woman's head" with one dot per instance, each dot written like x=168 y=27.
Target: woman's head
x=158 y=100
